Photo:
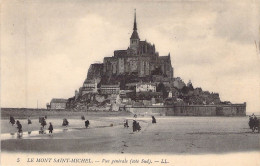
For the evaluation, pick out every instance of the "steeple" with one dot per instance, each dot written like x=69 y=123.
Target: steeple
x=135 y=34
x=134 y=39
x=135 y=26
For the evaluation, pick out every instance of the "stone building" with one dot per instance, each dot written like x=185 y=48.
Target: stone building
x=173 y=93
x=138 y=62
x=110 y=89
x=89 y=86
x=145 y=87
x=58 y=103
x=139 y=58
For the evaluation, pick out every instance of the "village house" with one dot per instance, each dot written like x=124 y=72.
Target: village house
x=89 y=86
x=58 y=103
x=110 y=89
x=173 y=93
x=145 y=87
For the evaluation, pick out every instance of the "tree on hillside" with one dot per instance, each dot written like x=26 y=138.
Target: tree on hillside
x=161 y=88
x=185 y=90
x=190 y=86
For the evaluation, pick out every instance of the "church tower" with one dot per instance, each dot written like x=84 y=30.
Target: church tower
x=134 y=40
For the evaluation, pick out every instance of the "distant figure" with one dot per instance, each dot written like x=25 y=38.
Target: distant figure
x=136 y=126
x=42 y=121
x=135 y=116
x=256 y=124
x=251 y=122
x=82 y=117
x=153 y=119
x=12 y=121
x=19 y=127
x=45 y=116
x=126 y=124
x=41 y=130
x=87 y=123
x=29 y=121
x=65 y=122
x=50 y=128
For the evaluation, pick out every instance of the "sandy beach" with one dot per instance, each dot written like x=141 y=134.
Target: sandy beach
x=170 y=135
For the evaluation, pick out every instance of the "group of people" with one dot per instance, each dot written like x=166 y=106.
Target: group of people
x=136 y=125
x=253 y=123
x=42 y=121
x=19 y=125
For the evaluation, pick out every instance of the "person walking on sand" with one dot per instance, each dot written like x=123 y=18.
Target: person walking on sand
x=29 y=121
x=87 y=123
x=82 y=117
x=126 y=124
x=153 y=119
x=134 y=125
x=12 y=121
x=65 y=122
x=42 y=131
x=50 y=129
x=42 y=121
x=19 y=127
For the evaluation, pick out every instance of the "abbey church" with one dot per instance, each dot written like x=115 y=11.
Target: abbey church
x=139 y=60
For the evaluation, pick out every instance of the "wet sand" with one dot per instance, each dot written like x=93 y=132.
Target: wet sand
x=170 y=135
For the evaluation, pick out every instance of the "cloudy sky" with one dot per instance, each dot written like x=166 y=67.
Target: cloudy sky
x=47 y=46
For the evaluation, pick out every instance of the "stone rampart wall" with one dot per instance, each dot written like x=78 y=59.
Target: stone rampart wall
x=190 y=110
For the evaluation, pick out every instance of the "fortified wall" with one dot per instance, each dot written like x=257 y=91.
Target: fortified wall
x=189 y=110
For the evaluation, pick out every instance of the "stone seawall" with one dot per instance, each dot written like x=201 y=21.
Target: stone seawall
x=24 y=113
x=189 y=110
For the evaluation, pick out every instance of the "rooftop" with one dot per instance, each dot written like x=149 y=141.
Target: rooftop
x=55 y=100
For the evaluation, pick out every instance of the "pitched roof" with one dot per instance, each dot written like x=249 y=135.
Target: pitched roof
x=55 y=100
x=110 y=86
x=135 y=35
x=164 y=57
x=145 y=83
x=92 y=81
x=120 y=52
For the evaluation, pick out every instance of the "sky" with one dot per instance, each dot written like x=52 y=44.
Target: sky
x=48 y=46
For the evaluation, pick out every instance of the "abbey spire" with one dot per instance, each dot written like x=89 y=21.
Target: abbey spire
x=135 y=26
x=134 y=40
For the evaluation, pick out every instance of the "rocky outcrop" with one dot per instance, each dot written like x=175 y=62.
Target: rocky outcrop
x=95 y=72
